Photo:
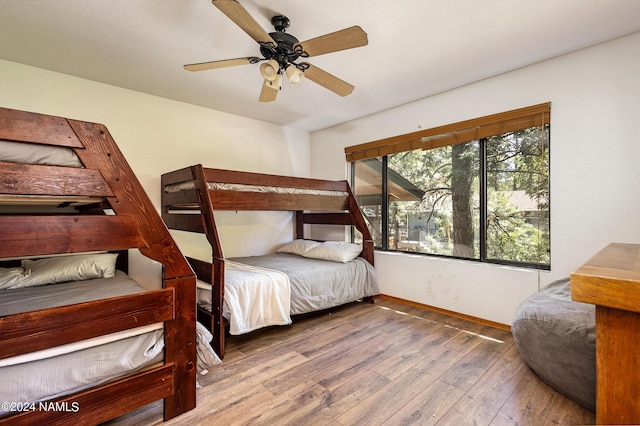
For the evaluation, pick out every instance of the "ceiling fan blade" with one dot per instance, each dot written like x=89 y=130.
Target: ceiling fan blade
x=333 y=42
x=221 y=64
x=268 y=93
x=243 y=19
x=327 y=80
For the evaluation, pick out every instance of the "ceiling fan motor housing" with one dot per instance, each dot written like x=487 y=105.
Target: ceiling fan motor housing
x=283 y=52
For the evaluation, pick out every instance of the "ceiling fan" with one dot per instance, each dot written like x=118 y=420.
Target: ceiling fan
x=280 y=51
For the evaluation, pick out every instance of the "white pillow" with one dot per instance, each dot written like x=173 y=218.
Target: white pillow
x=79 y=267
x=299 y=247
x=10 y=276
x=336 y=251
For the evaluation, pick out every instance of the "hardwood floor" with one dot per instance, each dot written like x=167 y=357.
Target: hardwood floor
x=386 y=363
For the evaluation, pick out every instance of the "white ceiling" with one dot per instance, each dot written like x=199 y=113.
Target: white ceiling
x=416 y=48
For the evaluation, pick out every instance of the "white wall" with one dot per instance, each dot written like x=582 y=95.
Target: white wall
x=595 y=157
x=157 y=135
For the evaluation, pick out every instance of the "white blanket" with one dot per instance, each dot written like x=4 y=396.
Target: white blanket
x=254 y=297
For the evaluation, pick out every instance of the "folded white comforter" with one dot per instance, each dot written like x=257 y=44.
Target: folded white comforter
x=254 y=297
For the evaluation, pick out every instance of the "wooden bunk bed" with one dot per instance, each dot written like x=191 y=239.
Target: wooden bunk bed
x=192 y=194
x=102 y=208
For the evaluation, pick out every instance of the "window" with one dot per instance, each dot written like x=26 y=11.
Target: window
x=473 y=190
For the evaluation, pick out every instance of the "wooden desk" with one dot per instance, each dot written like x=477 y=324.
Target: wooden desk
x=611 y=281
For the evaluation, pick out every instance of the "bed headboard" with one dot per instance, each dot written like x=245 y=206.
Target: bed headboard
x=204 y=190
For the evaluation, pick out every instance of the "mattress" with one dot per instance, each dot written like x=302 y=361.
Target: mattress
x=70 y=368
x=315 y=284
x=31 y=153
x=187 y=186
x=27 y=299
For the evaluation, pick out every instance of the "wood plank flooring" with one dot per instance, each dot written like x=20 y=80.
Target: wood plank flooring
x=386 y=363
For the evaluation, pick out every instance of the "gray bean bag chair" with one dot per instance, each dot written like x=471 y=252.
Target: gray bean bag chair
x=557 y=339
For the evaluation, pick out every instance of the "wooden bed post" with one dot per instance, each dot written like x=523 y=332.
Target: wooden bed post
x=217 y=263
x=299 y=217
x=217 y=322
x=361 y=225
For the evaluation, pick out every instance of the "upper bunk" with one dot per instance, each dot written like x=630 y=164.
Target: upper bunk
x=66 y=188
x=203 y=190
x=92 y=203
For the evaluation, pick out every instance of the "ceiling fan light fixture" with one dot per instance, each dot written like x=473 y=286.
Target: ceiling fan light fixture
x=294 y=74
x=270 y=69
x=276 y=83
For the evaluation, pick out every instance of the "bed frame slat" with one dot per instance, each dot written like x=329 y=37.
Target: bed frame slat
x=18 y=178
x=176 y=176
x=327 y=218
x=184 y=222
x=104 y=402
x=239 y=200
x=263 y=179
x=181 y=198
x=72 y=323
x=43 y=235
x=23 y=126
x=201 y=268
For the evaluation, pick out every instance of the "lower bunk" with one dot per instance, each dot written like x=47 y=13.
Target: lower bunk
x=89 y=378
x=261 y=291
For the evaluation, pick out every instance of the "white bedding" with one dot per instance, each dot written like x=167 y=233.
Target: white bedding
x=254 y=297
x=68 y=373
x=314 y=284
x=69 y=368
x=66 y=369
x=320 y=284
